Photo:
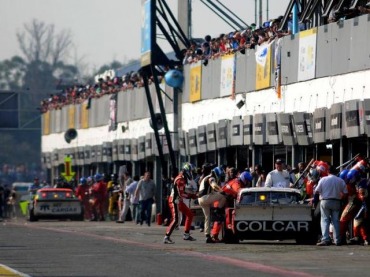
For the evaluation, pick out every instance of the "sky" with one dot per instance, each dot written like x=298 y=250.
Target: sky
x=107 y=30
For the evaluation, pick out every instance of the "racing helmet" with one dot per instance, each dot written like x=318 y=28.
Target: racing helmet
x=219 y=173
x=188 y=169
x=343 y=174
x=323 y=168
x=314 y=174
x=353 y=176
x=83 y=181
x=246 y=177
x=361 y=166
x=98 y=177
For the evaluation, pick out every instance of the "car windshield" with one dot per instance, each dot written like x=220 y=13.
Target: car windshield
x=271 y=197
x=55 y=195
x=21 y=187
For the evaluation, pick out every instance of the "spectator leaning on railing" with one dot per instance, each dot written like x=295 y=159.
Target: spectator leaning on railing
x=211 y=48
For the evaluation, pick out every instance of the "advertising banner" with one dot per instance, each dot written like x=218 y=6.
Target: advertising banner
x=195 y=81
x=228 y=66
x=263 y=66
x=307 y=54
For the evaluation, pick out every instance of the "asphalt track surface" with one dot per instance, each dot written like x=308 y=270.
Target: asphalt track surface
x=108 y=249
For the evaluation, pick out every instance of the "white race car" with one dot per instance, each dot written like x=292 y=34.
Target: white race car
x=55 y=203
x=269 y=214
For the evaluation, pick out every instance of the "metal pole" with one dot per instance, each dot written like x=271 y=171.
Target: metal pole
x=260 y=13
x=164 y=119
x=295 y=19
x=190 y=29
x=340 y=151
x=255 y=11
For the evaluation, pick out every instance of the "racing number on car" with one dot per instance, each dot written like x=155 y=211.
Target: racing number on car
x=44 y=207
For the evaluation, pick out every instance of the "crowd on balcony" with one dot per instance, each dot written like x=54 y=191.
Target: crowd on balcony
x=79 y=93
x=236 y=41
x=340 y=13
x=10 y=173
x=209 y=48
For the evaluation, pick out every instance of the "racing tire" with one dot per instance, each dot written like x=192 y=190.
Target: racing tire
x=306 y=239
x=229 y=237
x=30 y=215
x=81 y=217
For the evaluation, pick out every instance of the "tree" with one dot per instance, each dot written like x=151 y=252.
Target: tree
x=112 y=65
x=12 y=73
x=33 y=77
x=131 y=65
x=45 y=52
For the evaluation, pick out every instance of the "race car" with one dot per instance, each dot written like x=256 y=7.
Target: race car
x=265 y=213
x=55 y=203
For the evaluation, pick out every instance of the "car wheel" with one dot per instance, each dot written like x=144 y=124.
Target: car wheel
x=81 y=217
x=30 y=214
x=229 y=236
x=306 y=239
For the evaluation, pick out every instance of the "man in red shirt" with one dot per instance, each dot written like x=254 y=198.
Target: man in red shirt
x=176 y=203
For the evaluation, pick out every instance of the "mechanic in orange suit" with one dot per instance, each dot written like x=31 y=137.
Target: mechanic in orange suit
x=179 y=192
x=231 y=190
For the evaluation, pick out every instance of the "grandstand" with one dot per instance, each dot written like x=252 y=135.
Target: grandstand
x=295 y=97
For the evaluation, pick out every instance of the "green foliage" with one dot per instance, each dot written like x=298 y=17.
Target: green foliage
x=112 y=65
x=12 y=73
x=34 y=76
x=18 y=147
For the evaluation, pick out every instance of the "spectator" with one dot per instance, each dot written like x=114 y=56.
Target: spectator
x=11 y=204
x=279 y=177
x=331 y=189
x=130 y=190
x=259 y=176
x=127 y=180
x=2 y=202
x=34 y=187
x=365 y=9
x=301 y=166
x=145 y=191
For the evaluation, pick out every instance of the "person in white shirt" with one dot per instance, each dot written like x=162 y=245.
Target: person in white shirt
x=279 y=177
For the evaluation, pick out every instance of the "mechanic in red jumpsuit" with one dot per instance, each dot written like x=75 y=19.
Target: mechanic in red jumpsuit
x=179 y=192
x=354 y=202
x=231 y=190
x=318 y=170
x=361 y=219
x=83 y=194
x=99 y=194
